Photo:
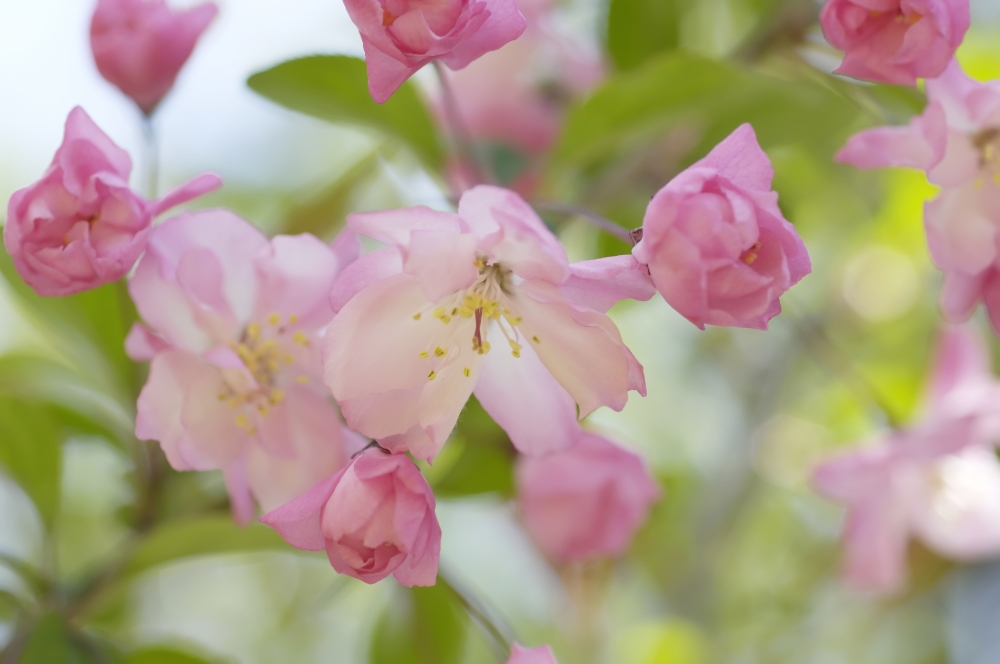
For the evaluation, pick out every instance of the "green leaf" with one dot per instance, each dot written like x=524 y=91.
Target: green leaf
x=640 y=29
x=10 y=606
x=50 y=642
x=30 y=452
x=335 y=88
x=421 y=626
x=197 y=537
x=162 y=655
x=88 y=328
x=479 y=458
x=704 y=99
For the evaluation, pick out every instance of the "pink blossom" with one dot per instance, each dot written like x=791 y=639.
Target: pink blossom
x=717 y=246
x=937 y=481
x=232 y=326
x=540 y=655
x=140 y=45
x=401 y=36
x=518 y=94
x=956 y=141
x=421 y=322
x=585 y=501
x=895 y=41
x=80 y=226
x=374 y=518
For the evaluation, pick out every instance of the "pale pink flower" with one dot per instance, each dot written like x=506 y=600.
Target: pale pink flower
x=585 y=501
x=956 y=141
x=232 y=325
x=717 y=246
x=937 y=481
x=481 y=300
x=141 y=45
x=81 y=226
x=540 y=655
x=895 y=41
x=374 y=518
x=401 y=36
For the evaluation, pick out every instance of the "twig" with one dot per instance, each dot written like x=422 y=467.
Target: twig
x=605 y=224
x=459 y=130
x=500 y=640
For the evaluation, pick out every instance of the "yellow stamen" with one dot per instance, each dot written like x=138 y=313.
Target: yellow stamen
x=300 y=338
x=293 y=319
x=424 y=354
x=439 y=352
x=277 y=396
x=467 y=371
x=416 y=316
x=253 y=331
x=274 y=319
x=432 y=375
x=302 y=379
x=536 y=339
x=262 y=409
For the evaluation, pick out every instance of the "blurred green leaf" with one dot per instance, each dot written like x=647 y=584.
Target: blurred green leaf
x=88 y=328
x=706 y=100
x=478 y=469
x=50 y=642
x=30 y=452
x=640 y=29
x=335 y=88
x=422 y=626
x=10 y=606
x=324 y=214
x=162 y=655
x=197 y=537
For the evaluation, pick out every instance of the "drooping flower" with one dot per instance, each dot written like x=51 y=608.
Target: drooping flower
x=232 y=326
x=585 y=501
x=937 y=481
x=956 y=141
x=81 y=226
x=895 y=41
x=374 y=518
x=540 y=655
x=717 y=246
x=481 y=300
x=401 y=36
x=140 y=46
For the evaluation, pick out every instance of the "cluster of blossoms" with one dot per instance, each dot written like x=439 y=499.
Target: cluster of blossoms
x=937 y=480
x=310 y=374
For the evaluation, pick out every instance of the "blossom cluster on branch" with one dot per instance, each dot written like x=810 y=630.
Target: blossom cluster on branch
x=315 y=376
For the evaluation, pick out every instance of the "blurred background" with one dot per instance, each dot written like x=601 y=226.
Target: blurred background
x=738 y=562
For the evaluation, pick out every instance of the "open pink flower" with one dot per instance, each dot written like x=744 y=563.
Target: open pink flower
x=421 y=324
x=401 y=36
x=374 y=518
x=140 y=45
x=540 y=655
x=895 y=41
x=80 y=226
x=938 y=480
x=956 y=141
x=585 y=501
x=234 y=324
x=715 y=242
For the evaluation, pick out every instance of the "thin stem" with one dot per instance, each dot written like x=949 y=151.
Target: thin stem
x=499 y=640
x=605 y=224
x=460 y=135
x=151 y=158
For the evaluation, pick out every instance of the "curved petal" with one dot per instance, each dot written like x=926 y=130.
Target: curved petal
x=142 y=344
x=602 y=283
x=444 y=262
x=188 y=191
x=523 y=397
x=299 y=522
x=393 y=227
x=295 y=276
x=920 y=145
x=505 y=24
x=364 y=272
x=739 y=159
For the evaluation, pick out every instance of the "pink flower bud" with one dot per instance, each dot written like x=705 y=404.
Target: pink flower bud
x=716 y=245
x=895 y=41
x=585 y=501
x=81 y=226
x=140 y=45
x=540 y=655
x=401 y=36
x=374 y=518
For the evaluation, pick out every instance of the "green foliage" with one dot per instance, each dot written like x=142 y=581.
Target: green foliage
x=641 y=29
x=51 y=642
x=30 y=452
x=421 y=626
x=209 y=534
x=478 y=459
x=334 y=88
x=162 y=655
x=707 y=99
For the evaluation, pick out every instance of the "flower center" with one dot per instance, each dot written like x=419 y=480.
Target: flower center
x=264 y=350
x=987 y=143
x=486 y=300
x=750 y=255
